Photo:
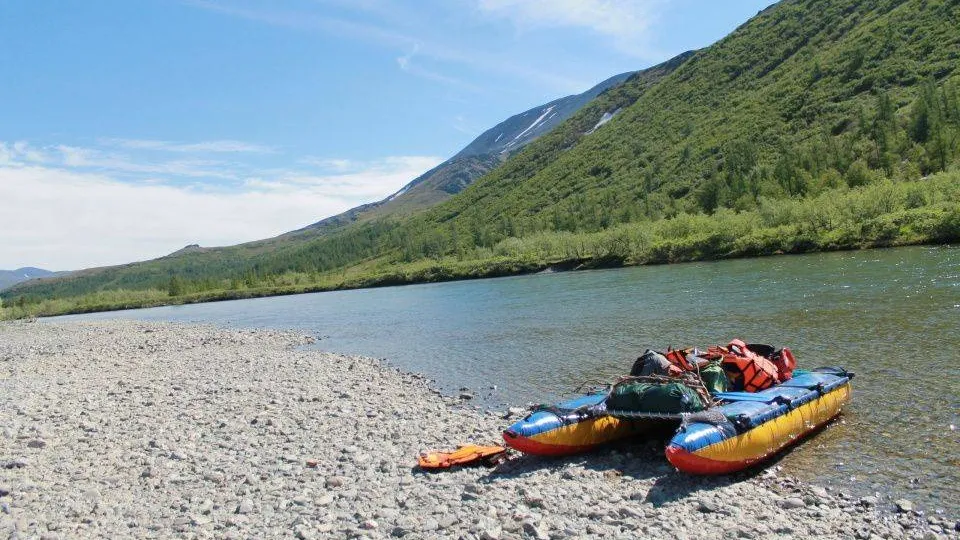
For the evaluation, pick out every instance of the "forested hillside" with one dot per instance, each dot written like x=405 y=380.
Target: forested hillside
x=818 y=124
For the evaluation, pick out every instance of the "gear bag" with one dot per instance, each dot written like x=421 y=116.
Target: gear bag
x=670 y=398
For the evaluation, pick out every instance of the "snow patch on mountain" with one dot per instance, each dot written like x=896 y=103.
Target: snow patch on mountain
x=607 y=116
x=399 y=193
x=535 y=122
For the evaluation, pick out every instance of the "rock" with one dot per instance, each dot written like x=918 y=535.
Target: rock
x=205 y=507
x=532 y=530
x=791 y=503
x=514 y=412
x=369 y=525
x=335 y=481
x=302 y=532
x=903 y=505
x=492 y=533
x=245 y=507
x=312 y=463
x=466 y=395
x=37 y=443
x=533 y=501
x=707 y=507
x=869 y=500
x=447 y=521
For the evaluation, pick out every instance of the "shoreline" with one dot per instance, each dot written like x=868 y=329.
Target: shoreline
x=134 y=429
x=437 y=273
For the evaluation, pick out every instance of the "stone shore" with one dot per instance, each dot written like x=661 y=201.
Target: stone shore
x=145 y=430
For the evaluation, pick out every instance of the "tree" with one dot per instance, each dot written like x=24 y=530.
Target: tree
x=175 y=286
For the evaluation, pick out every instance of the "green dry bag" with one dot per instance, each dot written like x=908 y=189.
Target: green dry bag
x=669 y=398
x=714 y=378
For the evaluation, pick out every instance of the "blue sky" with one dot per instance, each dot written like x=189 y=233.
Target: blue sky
x=130 y=129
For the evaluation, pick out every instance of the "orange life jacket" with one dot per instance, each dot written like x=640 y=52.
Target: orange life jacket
x=756 y=372
x=678 y=357
x=464 y=455
x=785 y=363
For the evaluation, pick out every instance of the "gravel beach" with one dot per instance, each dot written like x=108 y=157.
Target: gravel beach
x=143 y=430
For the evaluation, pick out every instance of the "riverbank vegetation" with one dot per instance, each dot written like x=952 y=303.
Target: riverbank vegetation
x=817 y=125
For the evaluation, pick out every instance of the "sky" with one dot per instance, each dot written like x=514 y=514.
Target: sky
x=131 y=129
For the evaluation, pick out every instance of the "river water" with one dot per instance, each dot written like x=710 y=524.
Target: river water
x=891 y=316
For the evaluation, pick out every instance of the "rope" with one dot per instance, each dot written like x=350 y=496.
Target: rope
x=639 y=415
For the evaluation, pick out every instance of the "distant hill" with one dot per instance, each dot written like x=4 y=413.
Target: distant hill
x=11 y=277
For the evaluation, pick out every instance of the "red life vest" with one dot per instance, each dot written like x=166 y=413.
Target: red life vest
x=678 y=357
x=756 y=372
x=785 y=363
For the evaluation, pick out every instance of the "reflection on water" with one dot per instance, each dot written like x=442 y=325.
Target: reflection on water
x=891 y=316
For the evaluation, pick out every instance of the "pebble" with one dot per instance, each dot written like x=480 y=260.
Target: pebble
x=707 y=507
x=903 y=505
x=37 y=443
x=791 y=503
x=250 y=436
x=245 y=506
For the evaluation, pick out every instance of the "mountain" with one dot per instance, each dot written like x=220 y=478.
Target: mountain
x=482 y=155
x=11 y=277
x=816 y=125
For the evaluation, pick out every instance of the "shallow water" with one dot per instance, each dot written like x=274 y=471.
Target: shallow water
x=891 y=316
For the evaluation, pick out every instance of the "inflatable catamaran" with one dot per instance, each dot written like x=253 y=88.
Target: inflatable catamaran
x=735 y=405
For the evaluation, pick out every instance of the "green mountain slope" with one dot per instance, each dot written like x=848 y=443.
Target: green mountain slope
x=811 y=97
x=818 y=124
x=788 y=105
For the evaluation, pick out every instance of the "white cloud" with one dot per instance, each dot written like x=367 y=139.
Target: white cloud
x=69 y=218
x=625 y=21
x=89 y=158
x=404 y=61
x=393 y=35
x=222 y=146
x=21 y=151
x=331 y=164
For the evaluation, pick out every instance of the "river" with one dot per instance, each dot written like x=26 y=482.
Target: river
x=891 y=316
